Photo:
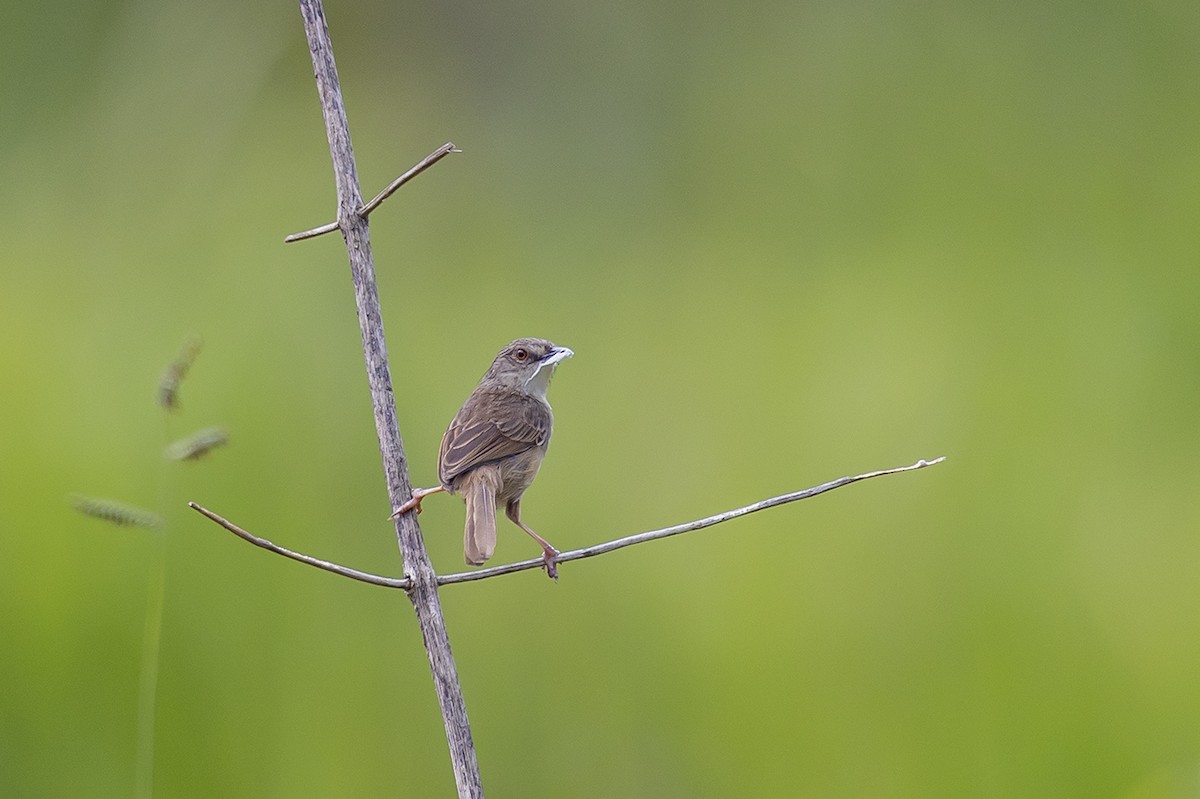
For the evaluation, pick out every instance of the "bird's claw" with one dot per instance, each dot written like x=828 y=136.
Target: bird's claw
x=550 y=561
x=413 y=502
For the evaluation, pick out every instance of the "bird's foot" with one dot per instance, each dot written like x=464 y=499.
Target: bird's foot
x=415 y=502
x=550 y=561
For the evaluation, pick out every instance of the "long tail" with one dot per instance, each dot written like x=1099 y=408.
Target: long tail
x=479 y=536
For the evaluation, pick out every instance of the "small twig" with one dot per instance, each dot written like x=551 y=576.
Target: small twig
x=418 y=168
x=311 y=234
x=353 y=574
x=574 y=554
x=365 y=210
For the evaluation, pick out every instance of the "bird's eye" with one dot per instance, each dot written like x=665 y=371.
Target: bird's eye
x=521 y=354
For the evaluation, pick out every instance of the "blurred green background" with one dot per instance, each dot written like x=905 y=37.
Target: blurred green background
x=787 y=241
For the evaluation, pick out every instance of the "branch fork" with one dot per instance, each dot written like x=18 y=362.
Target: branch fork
x=364 y=210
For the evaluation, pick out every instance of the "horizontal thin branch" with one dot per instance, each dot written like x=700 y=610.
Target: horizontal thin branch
x=365 y=210
x=345 y=571
x=687 y=527
x=574 y=554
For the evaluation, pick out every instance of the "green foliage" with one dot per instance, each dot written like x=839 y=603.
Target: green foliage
x=787 y=242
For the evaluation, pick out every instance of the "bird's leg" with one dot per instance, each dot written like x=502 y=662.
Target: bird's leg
x=549 y=553
x=417 y=495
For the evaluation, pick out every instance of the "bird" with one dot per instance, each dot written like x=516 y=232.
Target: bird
x=494 y=446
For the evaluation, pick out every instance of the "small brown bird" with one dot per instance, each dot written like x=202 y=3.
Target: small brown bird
x=494 y=446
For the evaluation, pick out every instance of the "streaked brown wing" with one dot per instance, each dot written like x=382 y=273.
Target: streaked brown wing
x=490 y=427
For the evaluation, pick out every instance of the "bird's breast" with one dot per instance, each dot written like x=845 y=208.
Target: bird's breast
x=517 y=472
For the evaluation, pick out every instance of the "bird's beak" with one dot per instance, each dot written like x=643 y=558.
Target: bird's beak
x=548 y=361
x=555 y=355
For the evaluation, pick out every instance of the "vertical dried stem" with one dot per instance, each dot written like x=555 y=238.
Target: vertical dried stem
x=424 y=593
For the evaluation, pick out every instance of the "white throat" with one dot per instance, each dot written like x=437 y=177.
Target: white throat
x=539 y=381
